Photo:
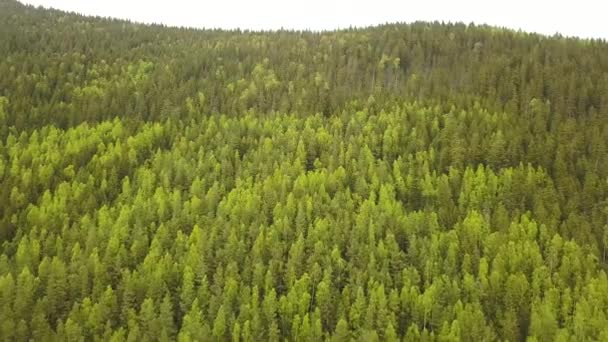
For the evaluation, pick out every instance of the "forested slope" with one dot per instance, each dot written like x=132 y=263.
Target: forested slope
x=417 y=182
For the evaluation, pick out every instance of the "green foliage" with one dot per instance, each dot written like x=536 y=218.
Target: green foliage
x=436 y=182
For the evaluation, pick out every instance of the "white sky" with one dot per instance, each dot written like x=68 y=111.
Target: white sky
x=583 y=18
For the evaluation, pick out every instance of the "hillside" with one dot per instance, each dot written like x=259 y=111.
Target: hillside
x=415 y=182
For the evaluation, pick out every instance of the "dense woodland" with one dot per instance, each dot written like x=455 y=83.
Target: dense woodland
x=406 y=182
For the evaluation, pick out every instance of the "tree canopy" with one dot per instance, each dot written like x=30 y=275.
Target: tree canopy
x=405 y=182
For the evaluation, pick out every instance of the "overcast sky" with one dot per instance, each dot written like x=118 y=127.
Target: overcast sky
x=583 y=18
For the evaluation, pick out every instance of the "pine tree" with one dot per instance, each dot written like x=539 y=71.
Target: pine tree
x=341 y=333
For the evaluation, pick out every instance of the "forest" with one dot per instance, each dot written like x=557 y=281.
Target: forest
x=418 y=181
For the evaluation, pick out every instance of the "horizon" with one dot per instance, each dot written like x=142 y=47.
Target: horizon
x=239 y=15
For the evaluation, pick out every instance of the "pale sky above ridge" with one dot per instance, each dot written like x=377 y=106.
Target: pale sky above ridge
x=582 y=18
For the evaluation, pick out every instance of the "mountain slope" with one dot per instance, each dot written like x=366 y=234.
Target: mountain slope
x=409 y=181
